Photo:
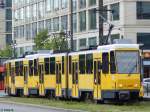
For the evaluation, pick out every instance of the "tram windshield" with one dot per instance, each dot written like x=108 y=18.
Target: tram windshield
x=127 y=62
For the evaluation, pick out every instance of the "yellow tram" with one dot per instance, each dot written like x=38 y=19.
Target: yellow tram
x=108 y=72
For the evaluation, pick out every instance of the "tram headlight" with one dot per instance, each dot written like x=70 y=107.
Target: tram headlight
x=135 y=85
x=120 y=85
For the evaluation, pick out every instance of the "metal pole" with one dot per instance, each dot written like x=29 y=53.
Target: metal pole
x=71 y=26
x=100 y=23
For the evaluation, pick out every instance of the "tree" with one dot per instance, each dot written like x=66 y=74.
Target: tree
x=39 y=39
x=57 y=42
x=7 y=52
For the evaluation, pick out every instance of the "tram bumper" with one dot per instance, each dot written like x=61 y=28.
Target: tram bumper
x=124 y=95
x=120 y=94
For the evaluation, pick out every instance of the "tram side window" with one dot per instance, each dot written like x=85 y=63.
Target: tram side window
x=52 y=65
x=21 y=68
x=31 y=67
x=82 y=64
x=70 y=64
x=35 y=67
x=63 y=65
x=112 y=63
x=17 y=68
x=46 y=63
x=105 y=63
x=89 y=63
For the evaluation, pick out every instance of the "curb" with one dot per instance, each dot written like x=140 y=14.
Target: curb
x=39 y=106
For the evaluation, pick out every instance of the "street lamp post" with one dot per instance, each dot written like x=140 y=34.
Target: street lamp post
x=13 y=45
x=71 y=26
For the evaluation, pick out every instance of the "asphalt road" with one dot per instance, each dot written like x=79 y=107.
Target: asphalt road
x=8 y=107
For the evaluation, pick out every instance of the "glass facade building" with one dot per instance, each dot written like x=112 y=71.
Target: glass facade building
x=32 y=16
x=5 y=23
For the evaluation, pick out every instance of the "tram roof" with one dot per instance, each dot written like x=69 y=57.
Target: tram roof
x=35 y=56
x=107 y=48
x=117 y=46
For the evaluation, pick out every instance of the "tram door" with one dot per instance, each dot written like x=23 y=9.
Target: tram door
x=26 y=73
x=41 y=79
x=12 y=80
x=75 y=71
x=97 y=79
x=58 y=79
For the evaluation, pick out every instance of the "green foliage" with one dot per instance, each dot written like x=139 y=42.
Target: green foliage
x=39 y=39
x=56 y=42
x=7 y=52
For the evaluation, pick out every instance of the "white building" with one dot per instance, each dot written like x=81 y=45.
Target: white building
x=131 y=19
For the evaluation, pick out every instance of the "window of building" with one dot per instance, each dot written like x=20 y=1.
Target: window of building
x=74 y=22
x=92 y=2
x=92 y=19
x=82 y=64
x=74 y=45
x=34 y=30
x=56 y=4
x=8 y=3
x=143 y=10
x=8 y=14
x=64 y=4
x=56 y=24
x=48 y=25
x=143 y=38
x=52 y=65
x=22 y=13
x=28 y=31
x=114 y=37
x=21 y=50
x=116 y=11
x=41 y=26
x=16 y=32
x=16 y=15
x=49 y=5
x=74 y=4
x=64 y=20
x=8 y=39
x=21 y=31
x=27 y=12
x=41 y=10
x=89 y=63
x=82 y=16
x=46 y=64
x=82 y=4
x=82 y=42
x=105 y=13
x=92 y=41
x=8 y=26
x=34 y=11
